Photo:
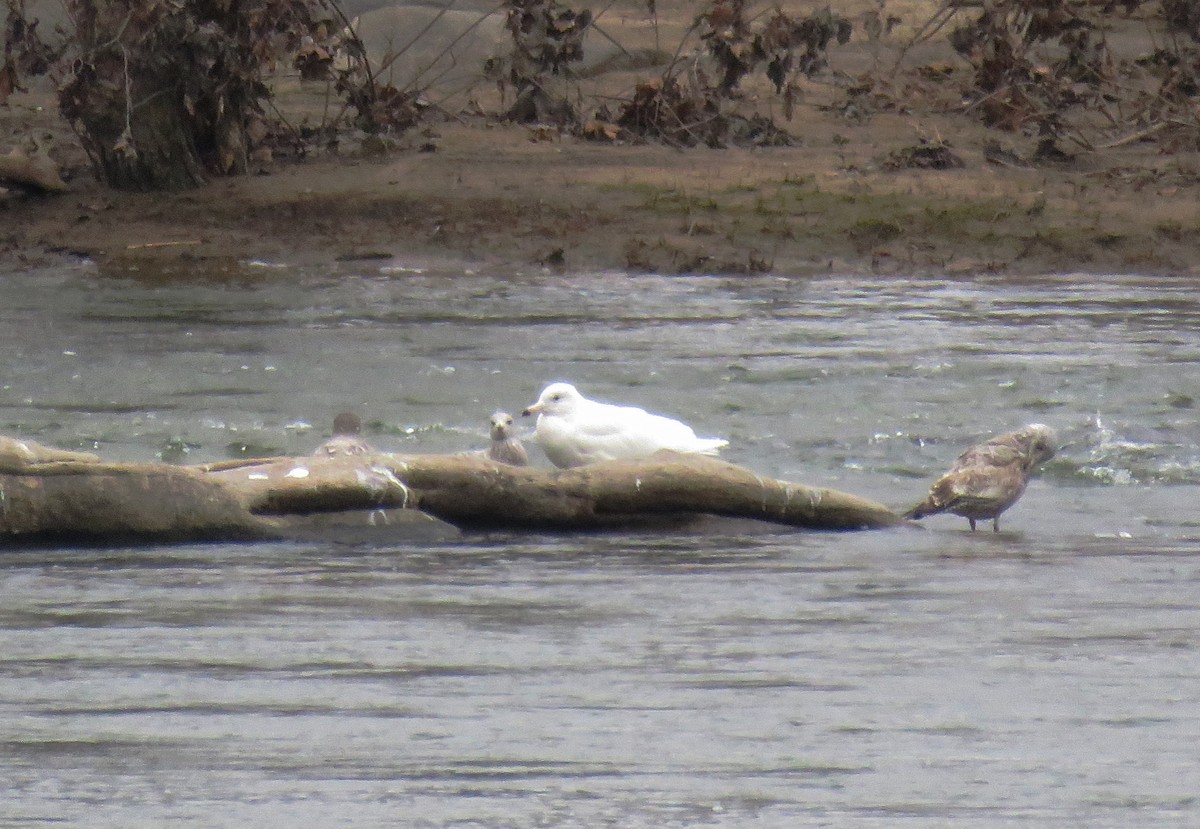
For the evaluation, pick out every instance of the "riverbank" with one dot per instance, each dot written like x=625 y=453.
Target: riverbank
x=507 y=196
x=909 y=183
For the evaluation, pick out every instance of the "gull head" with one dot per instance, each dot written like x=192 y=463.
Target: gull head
x=347 y=423
x=556 y=399
x=502 y=425
x=1038 y=442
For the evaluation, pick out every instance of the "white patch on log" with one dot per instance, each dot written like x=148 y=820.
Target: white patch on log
x=787 y=491
x=390 y=476
x=298 y=472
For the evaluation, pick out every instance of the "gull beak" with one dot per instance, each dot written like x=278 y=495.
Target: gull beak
x=534 y=409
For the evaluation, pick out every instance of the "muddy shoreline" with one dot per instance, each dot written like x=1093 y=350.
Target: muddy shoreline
x=512 y=197
x=905 y=180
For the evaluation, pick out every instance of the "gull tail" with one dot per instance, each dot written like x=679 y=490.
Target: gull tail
x=710 y=446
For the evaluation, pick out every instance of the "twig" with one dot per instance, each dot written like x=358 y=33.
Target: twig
x=1080 y=140
x=396 y=55
x=479 y=21
x=362 y=47
x=296 y=136
x=440 y=104
x=601 y=13
x=235 y=463
x=128 y=134
x=115 y=39
x=678 y=50
x=1133 y=138
x=153 y=245
x=978 y=101
x=609 y=38
x=932 y=26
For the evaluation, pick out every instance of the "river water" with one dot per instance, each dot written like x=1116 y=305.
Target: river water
x=727 y=676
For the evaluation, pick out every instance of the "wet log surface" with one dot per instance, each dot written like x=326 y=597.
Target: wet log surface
x=471 y=491
x=80 y=502
x=49 y=495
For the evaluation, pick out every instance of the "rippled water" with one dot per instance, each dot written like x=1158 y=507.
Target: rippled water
x=726 y=676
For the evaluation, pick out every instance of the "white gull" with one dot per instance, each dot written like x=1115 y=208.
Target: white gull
x=574 y=431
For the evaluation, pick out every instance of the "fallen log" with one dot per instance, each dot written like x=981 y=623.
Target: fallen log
x=55 y=496
x=90 y=502
x=51 y=496
x=17 y=455
x=472 y=491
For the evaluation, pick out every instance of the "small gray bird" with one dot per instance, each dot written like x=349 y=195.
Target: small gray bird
x=987 y=479
x=346 y=439
x=506 y=447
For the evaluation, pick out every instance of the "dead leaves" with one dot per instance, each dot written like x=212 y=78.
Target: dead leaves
x=151 y=85
x=546 y=37
x=697 y=103
x=1045 y=68
x=313 y=60
x=602 y=131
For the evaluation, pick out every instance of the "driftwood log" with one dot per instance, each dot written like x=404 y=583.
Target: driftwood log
x=121 y=503
x=472 y=491
x=47 y=495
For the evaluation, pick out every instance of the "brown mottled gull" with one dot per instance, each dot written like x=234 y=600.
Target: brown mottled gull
x=346 y=439
x=506 y=447
x=987 y=479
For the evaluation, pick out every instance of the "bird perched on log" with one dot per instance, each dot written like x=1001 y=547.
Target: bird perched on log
x=506 y=447
x=987 y=479
x=574 y=431
x=346 y=439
